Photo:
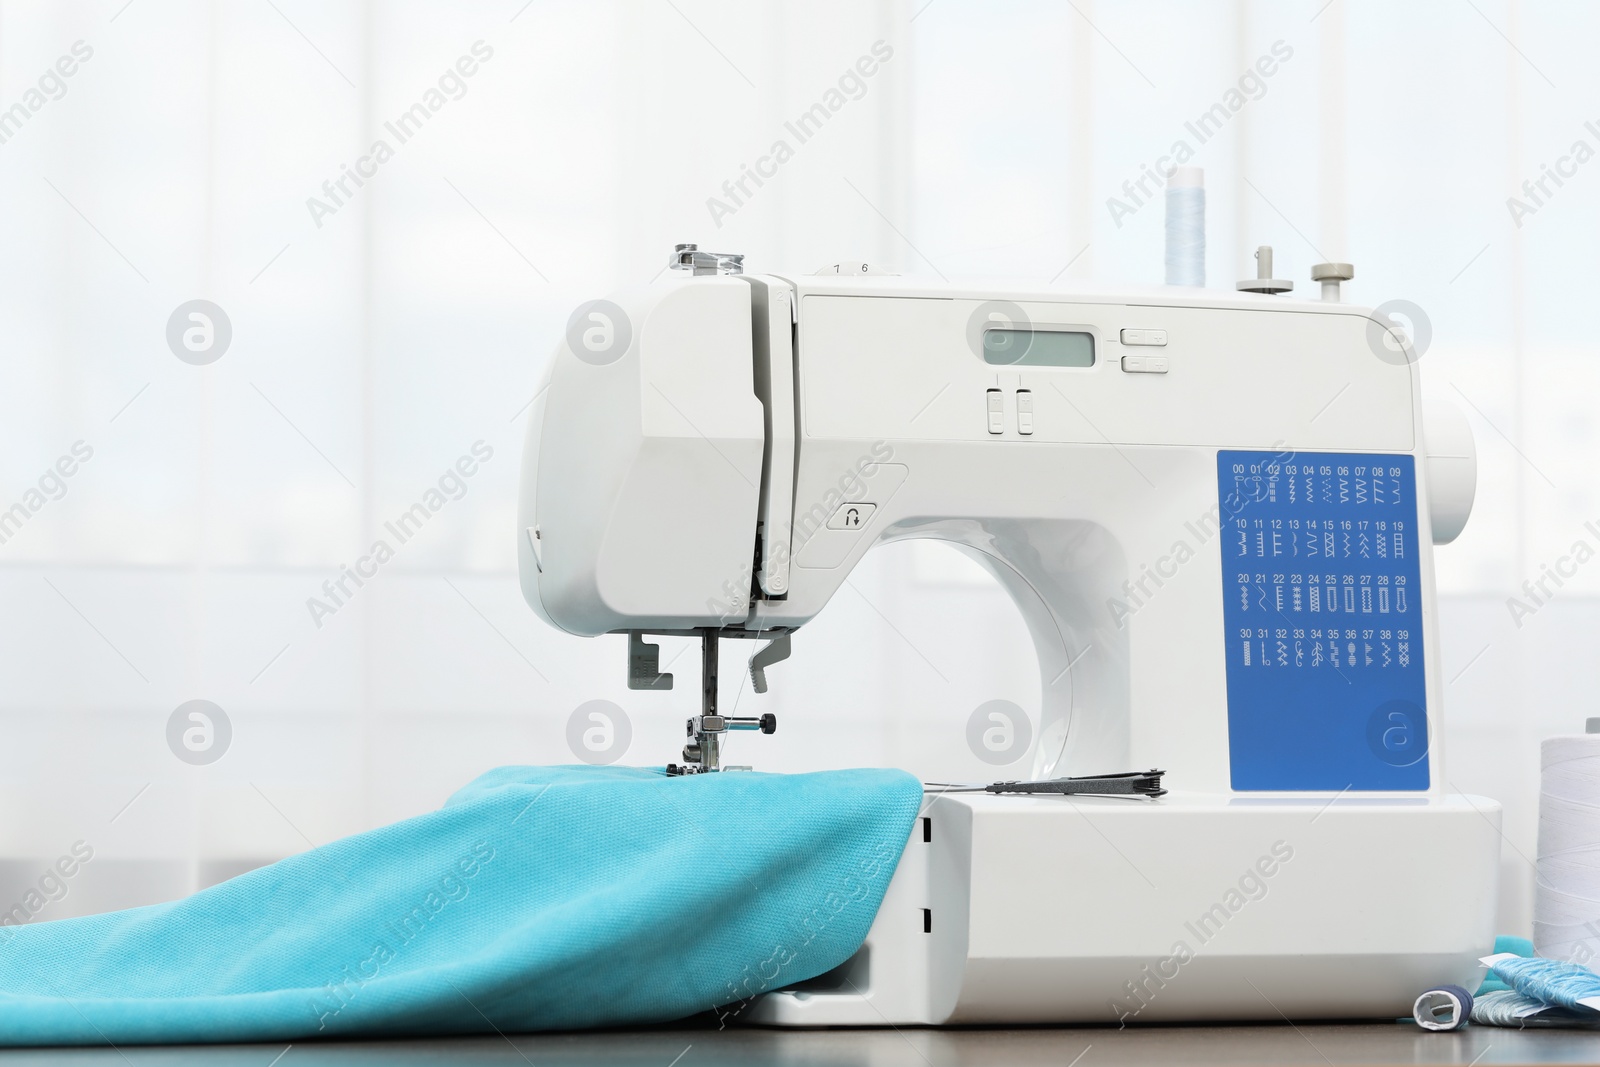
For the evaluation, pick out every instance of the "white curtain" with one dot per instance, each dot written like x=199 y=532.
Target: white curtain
x=512 y=159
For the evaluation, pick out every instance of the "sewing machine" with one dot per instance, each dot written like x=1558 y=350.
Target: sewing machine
x=1215 y=512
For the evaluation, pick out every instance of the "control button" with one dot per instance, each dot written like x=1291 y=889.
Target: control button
x=1155 y=338
x=1145 y=364
x=997 y=412
x=1025 y=411
x=851 y=516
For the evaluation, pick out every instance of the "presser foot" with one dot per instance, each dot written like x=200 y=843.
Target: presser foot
x=703 y=753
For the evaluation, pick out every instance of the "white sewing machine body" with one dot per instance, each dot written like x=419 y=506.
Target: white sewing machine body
x=1221 y=544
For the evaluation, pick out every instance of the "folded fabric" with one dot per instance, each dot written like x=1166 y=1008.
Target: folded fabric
x=536 y=898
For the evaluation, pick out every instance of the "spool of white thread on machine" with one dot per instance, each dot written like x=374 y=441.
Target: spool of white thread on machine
x=1186 y=226
x=1566 y=901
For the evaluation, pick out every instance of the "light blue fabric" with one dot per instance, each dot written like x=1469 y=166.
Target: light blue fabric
x=536 y=898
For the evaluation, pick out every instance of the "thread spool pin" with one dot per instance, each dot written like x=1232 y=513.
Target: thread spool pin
x=1264 y=282
x=1330 y=275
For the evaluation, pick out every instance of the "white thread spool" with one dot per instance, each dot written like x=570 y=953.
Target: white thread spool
x=1186 y=227
x=1566 y=900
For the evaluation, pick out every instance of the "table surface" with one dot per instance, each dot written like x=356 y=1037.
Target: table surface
x=1319 y=1045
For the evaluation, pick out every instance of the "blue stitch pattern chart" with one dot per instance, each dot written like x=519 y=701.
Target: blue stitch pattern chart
x=1322 y=621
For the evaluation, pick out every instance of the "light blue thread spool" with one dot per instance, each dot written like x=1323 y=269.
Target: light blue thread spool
x=1186 y=227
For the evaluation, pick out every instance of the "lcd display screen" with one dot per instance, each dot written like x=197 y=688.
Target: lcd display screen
x=1038 y=348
